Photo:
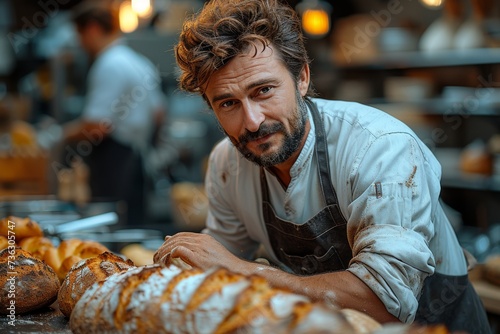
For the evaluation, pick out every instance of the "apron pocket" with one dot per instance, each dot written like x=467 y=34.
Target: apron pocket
x=311 y=264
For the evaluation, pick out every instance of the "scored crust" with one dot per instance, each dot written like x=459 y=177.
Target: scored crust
x=85 y=273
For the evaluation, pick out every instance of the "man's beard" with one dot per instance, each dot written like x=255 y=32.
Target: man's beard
x=290 y=144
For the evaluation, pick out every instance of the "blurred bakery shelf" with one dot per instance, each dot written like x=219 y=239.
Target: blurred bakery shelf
x=453 y=177
x=457 y=179
x=418 y=59
x=439 y=106
x=23 y=175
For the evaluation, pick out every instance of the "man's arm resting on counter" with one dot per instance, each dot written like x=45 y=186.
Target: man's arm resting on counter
x=341 y=288
x=84 y=130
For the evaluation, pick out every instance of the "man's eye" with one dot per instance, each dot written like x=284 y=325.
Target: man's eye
x=265 y=90
x=226 y=104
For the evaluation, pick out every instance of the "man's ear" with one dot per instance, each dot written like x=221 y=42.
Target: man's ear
x=304 y=80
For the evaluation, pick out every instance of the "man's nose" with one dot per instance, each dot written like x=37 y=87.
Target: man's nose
x=253 y=116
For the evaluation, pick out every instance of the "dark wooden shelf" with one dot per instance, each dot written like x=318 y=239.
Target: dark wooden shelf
x=417 y=59
x=440 y=106
x=471 y=181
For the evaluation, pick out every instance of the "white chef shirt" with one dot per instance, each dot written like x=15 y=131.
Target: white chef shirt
x=123 y=92
x=398 y=237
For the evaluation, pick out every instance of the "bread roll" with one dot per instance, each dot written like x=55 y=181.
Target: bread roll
x=85 y=273
x=152 y=299
x=140 y=255
x=25 y=282
x=22 y=227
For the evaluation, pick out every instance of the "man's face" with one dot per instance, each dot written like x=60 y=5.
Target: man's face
x=260 y=107
x=89 y=35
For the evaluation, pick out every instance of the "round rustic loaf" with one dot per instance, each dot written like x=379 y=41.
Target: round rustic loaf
x=26 y=283
x=85 y=273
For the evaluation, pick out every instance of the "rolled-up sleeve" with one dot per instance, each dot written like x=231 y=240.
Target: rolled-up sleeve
x=390 y=222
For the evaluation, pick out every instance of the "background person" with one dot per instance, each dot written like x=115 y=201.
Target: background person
x=123 y=108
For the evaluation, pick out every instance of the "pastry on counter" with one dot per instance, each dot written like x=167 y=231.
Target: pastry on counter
x=139 y=254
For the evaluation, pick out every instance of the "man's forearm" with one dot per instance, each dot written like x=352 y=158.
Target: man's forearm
x=82 y=130
x=341 y=288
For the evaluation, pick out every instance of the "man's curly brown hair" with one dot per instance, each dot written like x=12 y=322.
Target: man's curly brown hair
x=225 y=28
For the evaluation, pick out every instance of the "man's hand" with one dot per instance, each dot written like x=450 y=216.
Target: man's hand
x=196 y=249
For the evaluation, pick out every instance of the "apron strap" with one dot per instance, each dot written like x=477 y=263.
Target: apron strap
x=321 y=149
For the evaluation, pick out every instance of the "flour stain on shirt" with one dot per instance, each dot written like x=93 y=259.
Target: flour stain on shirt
x=223 y=177
x=409 y=183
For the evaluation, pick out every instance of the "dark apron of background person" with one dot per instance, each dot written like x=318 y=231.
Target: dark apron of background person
x=116 y=174
x=320 y=245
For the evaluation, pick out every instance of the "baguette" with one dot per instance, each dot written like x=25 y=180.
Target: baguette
x=152 y=299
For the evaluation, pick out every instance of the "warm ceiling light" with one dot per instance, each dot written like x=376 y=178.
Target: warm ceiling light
x=142 y=8
x=315 y=22
x=315 y=17
x=432 y=3
x=128 y=18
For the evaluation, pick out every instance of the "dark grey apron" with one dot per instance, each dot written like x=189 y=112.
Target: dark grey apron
x=452 y=300
x=320 y=245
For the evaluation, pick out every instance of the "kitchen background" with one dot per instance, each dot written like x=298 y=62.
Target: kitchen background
x=433 y=64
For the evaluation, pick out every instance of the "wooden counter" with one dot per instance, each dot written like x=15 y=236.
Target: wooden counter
x=48 y=320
